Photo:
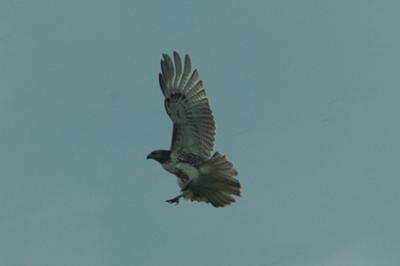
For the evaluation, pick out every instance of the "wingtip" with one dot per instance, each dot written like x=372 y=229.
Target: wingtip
x=187 y=58
x=166 y=57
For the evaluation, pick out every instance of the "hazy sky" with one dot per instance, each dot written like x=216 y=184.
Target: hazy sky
x=306 y=99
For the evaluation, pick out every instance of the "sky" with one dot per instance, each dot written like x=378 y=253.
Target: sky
x=305 y=96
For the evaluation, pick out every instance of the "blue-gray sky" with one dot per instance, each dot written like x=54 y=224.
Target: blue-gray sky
x=305 y=95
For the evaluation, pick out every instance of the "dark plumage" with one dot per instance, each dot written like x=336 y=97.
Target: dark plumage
x=160 y=156
x=201 y=177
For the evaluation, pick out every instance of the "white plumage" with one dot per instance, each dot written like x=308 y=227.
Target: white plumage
x=201 y=177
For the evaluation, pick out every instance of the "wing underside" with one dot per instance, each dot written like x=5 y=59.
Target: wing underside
x=187 y=105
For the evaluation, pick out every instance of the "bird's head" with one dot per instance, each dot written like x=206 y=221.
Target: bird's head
x=160 y=156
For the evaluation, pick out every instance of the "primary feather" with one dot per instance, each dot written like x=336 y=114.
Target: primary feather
x=187 y=105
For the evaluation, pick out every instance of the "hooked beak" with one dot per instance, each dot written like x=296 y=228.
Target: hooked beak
x=149 y=156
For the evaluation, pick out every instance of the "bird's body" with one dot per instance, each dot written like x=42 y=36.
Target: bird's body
x=201 y=177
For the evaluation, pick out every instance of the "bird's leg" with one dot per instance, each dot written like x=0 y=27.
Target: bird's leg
x=175 y=200
x=186 y=186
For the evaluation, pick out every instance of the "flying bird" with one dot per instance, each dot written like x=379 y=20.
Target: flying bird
x=201 y=176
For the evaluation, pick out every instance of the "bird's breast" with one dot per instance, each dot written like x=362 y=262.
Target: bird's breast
x=189 y=170
x=170 y=166
x=181 y=170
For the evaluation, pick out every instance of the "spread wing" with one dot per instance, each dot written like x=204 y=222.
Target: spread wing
x=187 y=105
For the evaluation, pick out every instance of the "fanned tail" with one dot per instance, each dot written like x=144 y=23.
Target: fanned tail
x=219 y=183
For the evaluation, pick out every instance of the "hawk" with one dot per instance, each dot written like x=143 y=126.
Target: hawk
x=201 y=177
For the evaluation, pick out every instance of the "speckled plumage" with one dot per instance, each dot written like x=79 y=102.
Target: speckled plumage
x=201 y=177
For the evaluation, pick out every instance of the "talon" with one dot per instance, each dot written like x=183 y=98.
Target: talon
x=174 y=200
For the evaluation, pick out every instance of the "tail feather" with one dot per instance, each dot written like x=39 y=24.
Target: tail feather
x=229 y=188
x=218 y=199
x=219 y=181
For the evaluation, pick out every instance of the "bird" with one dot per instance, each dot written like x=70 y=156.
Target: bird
x=202 y=177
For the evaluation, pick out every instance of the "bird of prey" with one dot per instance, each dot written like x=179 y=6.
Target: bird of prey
x=201 y=177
